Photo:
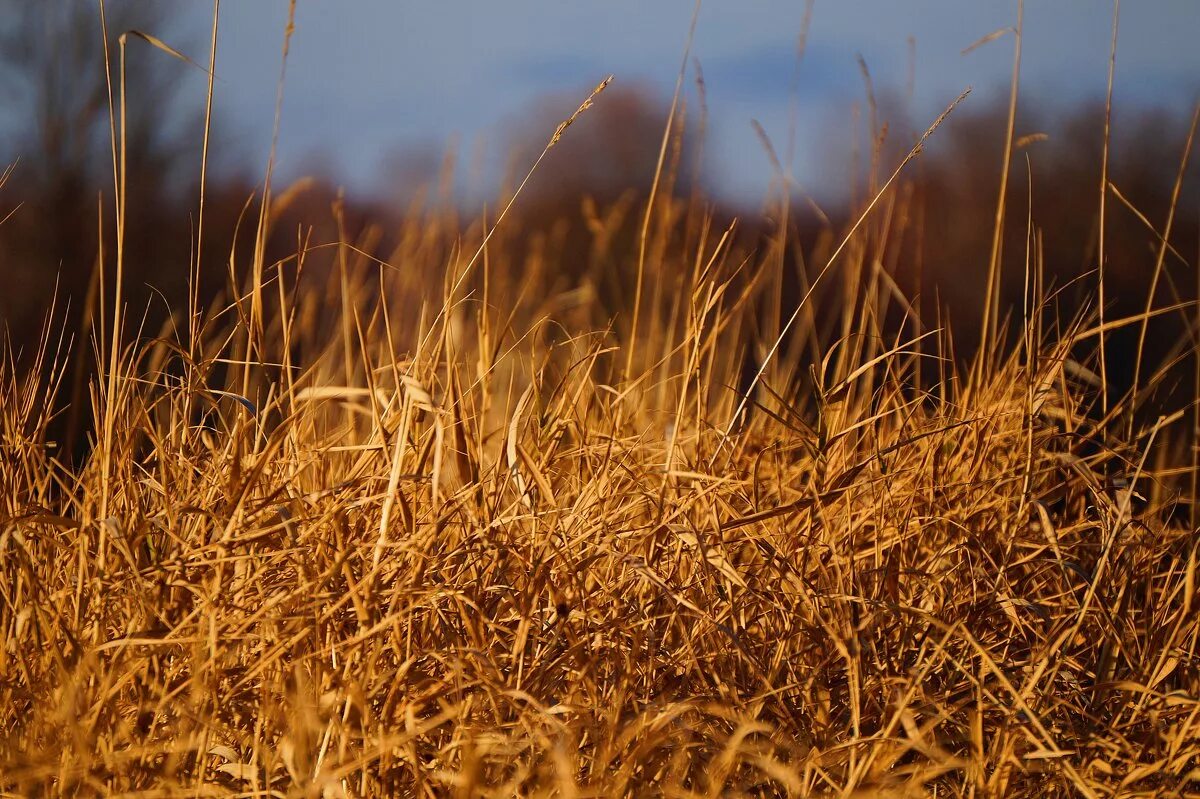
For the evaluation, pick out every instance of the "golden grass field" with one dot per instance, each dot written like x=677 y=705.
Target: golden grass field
x=437 y=523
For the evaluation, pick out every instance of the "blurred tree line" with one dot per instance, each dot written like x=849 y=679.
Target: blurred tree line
x=936 y=239
x=57 y=204
x=59 y=197
x=58 y=201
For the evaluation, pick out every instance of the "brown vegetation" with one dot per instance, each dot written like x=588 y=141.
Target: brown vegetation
x=440 y=523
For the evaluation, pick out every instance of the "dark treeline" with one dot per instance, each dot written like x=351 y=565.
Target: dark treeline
x=583 y=210
x=933 y=233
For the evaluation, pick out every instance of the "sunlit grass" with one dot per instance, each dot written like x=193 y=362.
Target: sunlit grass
x=425 y=524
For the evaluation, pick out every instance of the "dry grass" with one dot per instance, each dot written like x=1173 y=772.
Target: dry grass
x=439 y=526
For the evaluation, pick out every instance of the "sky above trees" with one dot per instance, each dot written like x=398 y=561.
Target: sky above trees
x=376 y=86
x=384 y=76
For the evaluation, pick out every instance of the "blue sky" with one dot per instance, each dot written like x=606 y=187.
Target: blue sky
x=369 y=78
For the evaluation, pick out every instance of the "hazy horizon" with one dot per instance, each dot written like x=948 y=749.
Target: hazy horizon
x=363 y=87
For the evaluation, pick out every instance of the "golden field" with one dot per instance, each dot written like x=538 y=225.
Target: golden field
x=711 y=516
